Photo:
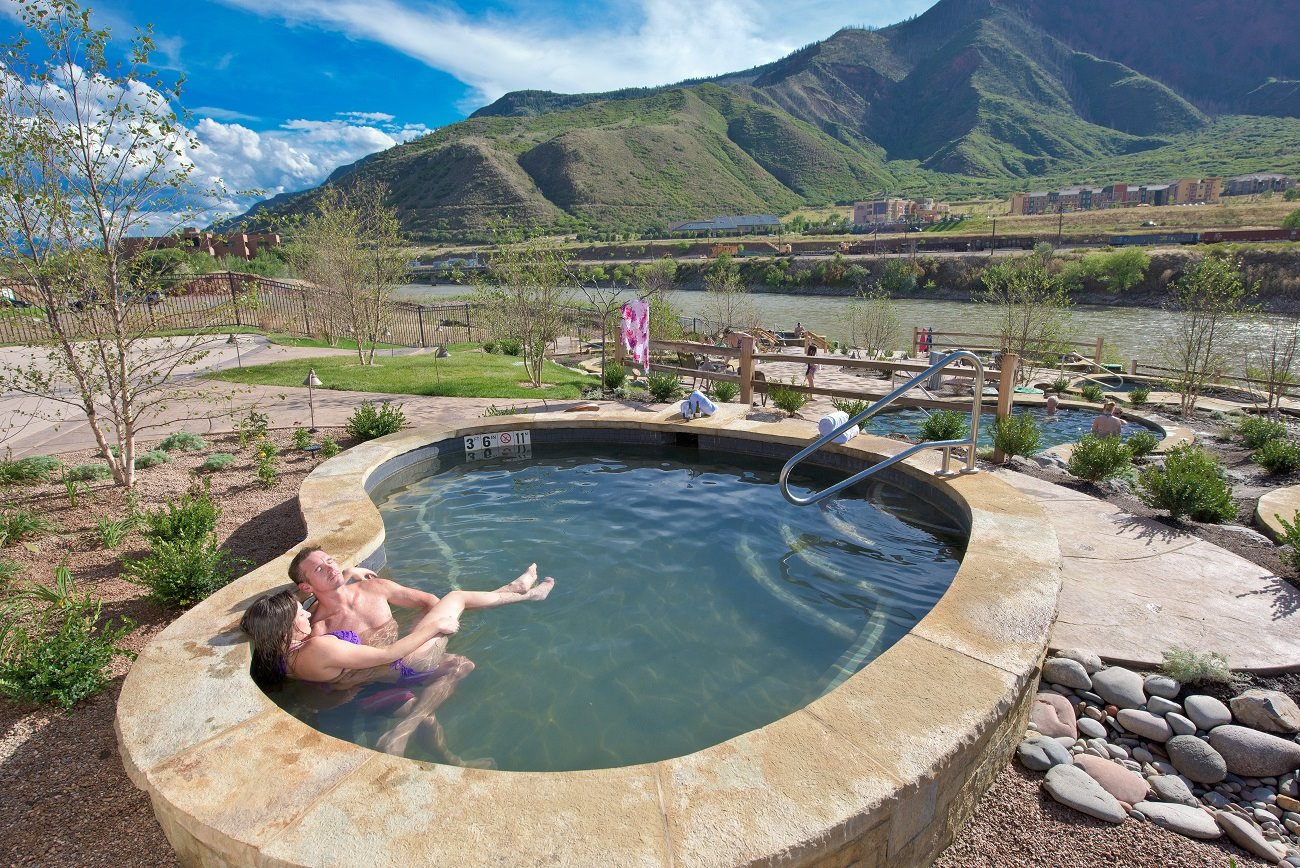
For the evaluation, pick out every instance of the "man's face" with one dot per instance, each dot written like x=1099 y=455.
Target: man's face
x=318 y=573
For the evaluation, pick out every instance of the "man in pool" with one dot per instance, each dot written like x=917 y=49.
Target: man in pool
x=358 y=600
x=1106 y=425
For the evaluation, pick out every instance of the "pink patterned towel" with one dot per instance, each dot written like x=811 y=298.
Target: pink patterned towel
x=636 y=331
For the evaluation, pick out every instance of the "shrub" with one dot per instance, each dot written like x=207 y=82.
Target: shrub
x=945 y=425
x=1095 y=458
x=34 y=468
x=301 y=437
x=490 y=346
x=265 y=460
x=254 y=426
x=1278 y=457
x=1142 y=443
x=1190 y=482
x=725 y=391
x=1092 y=392
x=663 y=387
x=217 y=461
x=1138 y=395
x=192 y=517
x=1059 y=385
x=54 y=646
x=182 y=572
x=368 y=421
x=89 y=473
x=613 y=375
x=112 y=532
x=185 y=441
x=511 y=346
x=1255 y=431
x=19 y=524
x=1190 y=667
x=1291 y=538
x=152 y=458
x=787 y=399
x=1017 y=434
x=329 y=447
x=850 y=406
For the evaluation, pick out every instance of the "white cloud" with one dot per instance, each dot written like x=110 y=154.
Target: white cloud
x=222 y=114
x=665 y=40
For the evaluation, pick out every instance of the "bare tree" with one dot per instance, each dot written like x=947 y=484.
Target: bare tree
x=352 y=249
x=652 y=284
x=728 y=303
x=90 y=153
x=524 y=293
x=1274 y=363
x=874 y=324
x=1032 y=305
x=1211 y=294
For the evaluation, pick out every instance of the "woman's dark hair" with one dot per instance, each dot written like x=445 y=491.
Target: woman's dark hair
x=269 y=623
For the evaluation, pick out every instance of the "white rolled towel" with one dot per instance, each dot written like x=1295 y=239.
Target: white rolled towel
x=831 y=421
x=699 y=400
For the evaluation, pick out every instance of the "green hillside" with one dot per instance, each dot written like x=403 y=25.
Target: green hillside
x=972 y=97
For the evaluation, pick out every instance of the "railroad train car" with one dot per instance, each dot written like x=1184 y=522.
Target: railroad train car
x=1214 y=236
x=1156 y=238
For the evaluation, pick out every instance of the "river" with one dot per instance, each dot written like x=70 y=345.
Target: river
x=1130 y=332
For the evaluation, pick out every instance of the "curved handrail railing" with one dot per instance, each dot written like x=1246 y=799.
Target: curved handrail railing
x=946 y=445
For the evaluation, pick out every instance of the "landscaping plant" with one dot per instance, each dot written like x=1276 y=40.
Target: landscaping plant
x=54 y=645
x=849 y=406
x=613 y=375
x=152 y=458
x=1096 y=458
x=182 y=572
x=191 y=517
x=185 y=441
x=1255 y=431
x=945 y=425
x=1138 y=395
x=1189 y=482
x=265 y=460
x=112 y=532
x=34 y=468
x=1278 y=457
x=724 y=391
x=1142 y=443
x=1059 y=385
x=368 y=421
x=663 y=387
x=21 y=524
x=217 y=461
x=787 y=399
x=301 y=437
x=9 y=570
x=1092 y=392
x=1290 y=539
x=329 y=447
x=89 y=473
x=1191 y=667
x=1017 y=434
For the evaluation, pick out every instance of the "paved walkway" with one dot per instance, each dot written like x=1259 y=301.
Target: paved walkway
x=1132 y=587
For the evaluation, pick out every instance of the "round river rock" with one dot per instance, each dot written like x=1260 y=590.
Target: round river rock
x=1196 y=759
x=1120 y=687
x=1253 y=754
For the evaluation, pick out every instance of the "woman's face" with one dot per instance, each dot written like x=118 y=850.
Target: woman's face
x=301 y=622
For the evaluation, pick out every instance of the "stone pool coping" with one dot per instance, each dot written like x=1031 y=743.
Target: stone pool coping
x=881 y=771
x=1171 y=435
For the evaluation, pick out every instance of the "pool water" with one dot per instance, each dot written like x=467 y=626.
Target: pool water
x=692 y=603
x=1064 y=426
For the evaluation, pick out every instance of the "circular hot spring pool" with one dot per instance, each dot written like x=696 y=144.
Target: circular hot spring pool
x=692 y=602
x=1066 y=425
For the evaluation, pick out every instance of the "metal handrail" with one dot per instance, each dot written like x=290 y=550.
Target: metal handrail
x=946 y=445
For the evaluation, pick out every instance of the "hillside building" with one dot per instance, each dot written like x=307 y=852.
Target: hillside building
x=895 y=210
x=744 y=224
x=1186 y=191
x=242 y=244
x=1253 y=185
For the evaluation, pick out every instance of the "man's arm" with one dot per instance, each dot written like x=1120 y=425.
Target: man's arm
x=359 y=574
x=400 y=595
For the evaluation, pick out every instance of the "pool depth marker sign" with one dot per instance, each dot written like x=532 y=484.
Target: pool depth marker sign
x=503 y=444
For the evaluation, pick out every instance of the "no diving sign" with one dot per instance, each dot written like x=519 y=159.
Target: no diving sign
x=502 y=444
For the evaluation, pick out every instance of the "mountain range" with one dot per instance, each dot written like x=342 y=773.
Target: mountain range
x=971 y=97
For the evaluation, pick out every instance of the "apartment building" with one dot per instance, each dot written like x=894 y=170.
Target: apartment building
x=898 y=210
x=1081 y=198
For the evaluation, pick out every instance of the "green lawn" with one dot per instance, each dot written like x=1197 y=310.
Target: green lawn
x=339 y=344
x=467 y=373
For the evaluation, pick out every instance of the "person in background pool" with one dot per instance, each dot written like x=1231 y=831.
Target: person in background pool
x=811 y=371
x=1052 y=402
x=1107 y=424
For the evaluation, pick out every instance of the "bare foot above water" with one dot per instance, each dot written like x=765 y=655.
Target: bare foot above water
x=525 y=582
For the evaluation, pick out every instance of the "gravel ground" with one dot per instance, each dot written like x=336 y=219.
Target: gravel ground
x=67 y=800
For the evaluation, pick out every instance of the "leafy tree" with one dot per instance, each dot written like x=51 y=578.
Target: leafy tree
x=1211 y=294
x=91 y=152
x=1032 y=307
x=352 y=248
x=728 y=303
x=524 y=294
x=1292 y=220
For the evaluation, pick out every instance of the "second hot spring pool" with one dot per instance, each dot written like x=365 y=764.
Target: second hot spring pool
x=692 y=603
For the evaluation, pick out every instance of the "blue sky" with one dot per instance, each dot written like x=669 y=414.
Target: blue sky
x=282 y=92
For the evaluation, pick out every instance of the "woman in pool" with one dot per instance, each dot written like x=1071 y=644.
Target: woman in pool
x=284 y=648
